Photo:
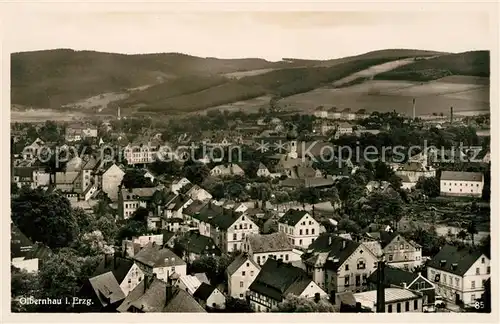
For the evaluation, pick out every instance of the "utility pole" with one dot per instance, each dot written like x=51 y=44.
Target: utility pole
x=380 y=286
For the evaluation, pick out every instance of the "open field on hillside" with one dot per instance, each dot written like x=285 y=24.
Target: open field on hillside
x=242 y=74
x=249 y=106
x=432 y=88
x=41 y=115
x=383 y=96
x=373 y=70
x=98 y=102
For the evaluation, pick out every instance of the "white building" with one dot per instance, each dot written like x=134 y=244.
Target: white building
x=300 y=227
x=240 y=275
x=459 y=274
x=225 y=170
x=209 y=296
x=129 y=200
x=127 y=273
x=276 y=245
x=154 y=259
x=110 y=179
x=455 y=183
x=397 y=300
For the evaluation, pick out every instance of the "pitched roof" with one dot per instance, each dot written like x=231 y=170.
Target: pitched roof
x=200 y=244
x=20 y=244
x=202 y=277
x=107 y=288
x=204 y=291
x=167 y=235
x=182 y=302
x=269 y=243
x=369 y=298
x=154 y=299
x=156 y=256
x=67 y=177
x=276 y=279
x=292 y=217
x=461 y=176
x=238 y=262
x=338 y=248
x=191 y=282
x=136 y=193
x=394 y=276
x=119 y=266
x=457 y=260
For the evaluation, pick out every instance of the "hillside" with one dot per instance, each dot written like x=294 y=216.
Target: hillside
x=387 y=54
x=173 y=82
x=280 y=82
x=475 y=63
x=55 y=77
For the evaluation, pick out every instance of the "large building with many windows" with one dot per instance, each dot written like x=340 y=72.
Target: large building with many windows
x=459 y=274
x=453 y=183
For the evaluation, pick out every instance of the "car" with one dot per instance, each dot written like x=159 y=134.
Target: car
x=439 y=302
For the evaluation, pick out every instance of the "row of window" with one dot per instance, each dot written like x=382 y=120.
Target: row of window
x=407 y=306
x=307 y=231
x=358 y=281
x=273 y=256
x=471 y=185
x=401 y=247
x=243 y=226
x=291 y=240
x=472 y=190
x=391 y=257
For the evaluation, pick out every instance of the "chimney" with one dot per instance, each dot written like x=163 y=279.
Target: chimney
x=106 y=261
x=443 y=263
x=451 y=114
x=343 y=244
x=332 y=297
x=380 y=287
x=414 y=101
x=147 y=279
x=168 y=293
x=329 y=240
x=404 y=285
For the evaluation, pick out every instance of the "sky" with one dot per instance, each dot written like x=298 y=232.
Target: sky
x=268 y=35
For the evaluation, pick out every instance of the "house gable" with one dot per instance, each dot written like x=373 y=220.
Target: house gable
x=311 y=290
x=478 y=264
x=360 y=253
x=420 y=283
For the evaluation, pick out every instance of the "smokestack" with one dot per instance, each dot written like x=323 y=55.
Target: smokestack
x=414 y=101
x=114 y=260
x=380 y=287
x=451 y=115
x=168 y=293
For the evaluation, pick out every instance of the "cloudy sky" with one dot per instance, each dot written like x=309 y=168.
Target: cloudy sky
x=269 y=35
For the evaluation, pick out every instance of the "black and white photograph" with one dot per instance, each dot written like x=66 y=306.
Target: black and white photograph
x=242 y=161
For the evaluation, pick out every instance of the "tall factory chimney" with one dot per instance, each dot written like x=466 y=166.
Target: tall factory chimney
x=119 y=117
x=414 y=101
x=451 y=115
x=380 y=287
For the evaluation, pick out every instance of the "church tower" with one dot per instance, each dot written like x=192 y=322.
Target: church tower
x=292 y=137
